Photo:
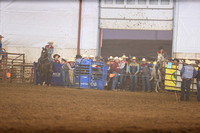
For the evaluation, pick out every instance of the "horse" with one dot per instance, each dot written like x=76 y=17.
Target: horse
x=156 y=72
x=44 y=68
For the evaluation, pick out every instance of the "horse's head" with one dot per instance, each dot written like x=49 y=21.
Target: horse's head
x=44 y=52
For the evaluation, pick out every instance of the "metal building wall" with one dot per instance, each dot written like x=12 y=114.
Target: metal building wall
x=187 y=29
x=29 y=25
x=136 y=16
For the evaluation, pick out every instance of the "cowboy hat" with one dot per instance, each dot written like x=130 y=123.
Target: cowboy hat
x=188 y=62
x=64 y=59
x=1 y=36
x=198 y=58
x=134 y=58
x=91 y=56
x=50 y=42
x=72 y=59
x=116 y=58
x=84 y=56
x=120 y=58
x=124 y=56
x=54 y=56
x=143 y=59
x=111 y=57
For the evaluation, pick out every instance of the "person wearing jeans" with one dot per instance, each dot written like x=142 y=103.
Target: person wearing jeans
x=65 y=73
x=198 y=82
x=187 y=73
x=115 y=69
x=133 y=69
x=123 y=71
x=145 y=70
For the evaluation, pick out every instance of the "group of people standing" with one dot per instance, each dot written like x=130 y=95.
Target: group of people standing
x=120 y=68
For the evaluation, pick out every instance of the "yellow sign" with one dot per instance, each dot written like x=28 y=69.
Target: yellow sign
x=171 y=78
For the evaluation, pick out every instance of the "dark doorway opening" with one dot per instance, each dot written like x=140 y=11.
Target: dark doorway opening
x=135 y=43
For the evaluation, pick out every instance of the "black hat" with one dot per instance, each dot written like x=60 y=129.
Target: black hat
x=64 y=60
x=54 y=56
x=78 y=56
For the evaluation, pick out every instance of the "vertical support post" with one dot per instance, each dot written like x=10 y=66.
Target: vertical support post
x=79 y=27
x=100 y=41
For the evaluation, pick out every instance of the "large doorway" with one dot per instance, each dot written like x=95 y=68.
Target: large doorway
x=135 y=43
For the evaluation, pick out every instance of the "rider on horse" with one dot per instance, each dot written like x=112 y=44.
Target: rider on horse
x=50 y=50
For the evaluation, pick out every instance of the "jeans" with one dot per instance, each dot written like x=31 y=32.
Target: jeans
x=198 y=90
x=122 y=79
x=65 y=78
x=146 y=82
x=115 y=80
x=185 y=89
x=134 y=80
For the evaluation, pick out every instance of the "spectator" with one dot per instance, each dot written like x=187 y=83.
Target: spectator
x=91 y=57
x=1 y=51
x=187 y=73
x=145 y=70
x=65 y=73
x=56 y=59
x=133 y=69
x=123 y=71
x=198 y=83
x=115 y=69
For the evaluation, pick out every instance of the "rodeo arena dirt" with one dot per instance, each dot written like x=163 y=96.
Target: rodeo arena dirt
x=91 y=104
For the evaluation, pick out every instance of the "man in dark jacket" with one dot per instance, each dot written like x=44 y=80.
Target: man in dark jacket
x=145 y=70
x=65 y=73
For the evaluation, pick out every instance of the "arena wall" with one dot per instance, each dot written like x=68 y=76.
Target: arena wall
x=187 y=29
x=29 y=25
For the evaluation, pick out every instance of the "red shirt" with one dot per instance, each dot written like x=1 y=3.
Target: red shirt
x=159 y=52
x=115 y=67
x=47 y=46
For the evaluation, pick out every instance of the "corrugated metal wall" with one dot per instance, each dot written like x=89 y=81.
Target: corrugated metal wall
x=138 y=15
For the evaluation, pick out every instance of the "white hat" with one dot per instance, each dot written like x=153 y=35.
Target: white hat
x=198 y=58
x=185 y=58
x=50 y=42
x=134 y=58
x=188 y=62
x=116 y=58
x=143 y=59
x=72 y=59
x=124 y=56
x=91 y=56
x=111 y=57
x=84 y=56
x=120 y=58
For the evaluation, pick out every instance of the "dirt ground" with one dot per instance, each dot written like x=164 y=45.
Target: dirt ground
x=30 y=108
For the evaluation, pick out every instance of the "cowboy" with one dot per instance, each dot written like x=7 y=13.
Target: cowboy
x=187 y=73
x=85 y=57
x=145 y=70
x=91 y=57
x=198 y=82
x=123 y=70
x=133 y=69
x=78 y=58
x=50 y=49
x=65 y=73
x=109 y=64
x=115 y=69
x=1 y=51
x=56 y=59
x=1 y=37
x=162 y=52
